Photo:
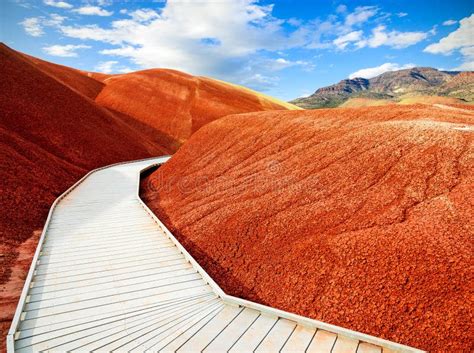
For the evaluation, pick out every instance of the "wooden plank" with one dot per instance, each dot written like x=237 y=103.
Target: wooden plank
x=299 y=339
x=277 y=337
x=110 y=264
x=90 y=273
x=177 y=335
x=115 y=338
x=189 y=332
x=345 y=345
x=67 y=319
x=155 y=273
x=97 y=319
x=368 y=348
x=104 y=249
x=70 y=262
x=233 y=331
x=204 y=336
x=99 y=329
x=141 y=336
x=254 y=334
x=110 y=288
x=82 y=307
x=322 y=342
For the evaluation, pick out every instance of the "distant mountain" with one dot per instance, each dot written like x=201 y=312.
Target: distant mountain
x=394 y=86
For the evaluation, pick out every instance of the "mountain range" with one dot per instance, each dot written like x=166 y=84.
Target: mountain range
x=415 y=85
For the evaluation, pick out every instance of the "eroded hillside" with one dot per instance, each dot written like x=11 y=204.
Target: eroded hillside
x=358 y=217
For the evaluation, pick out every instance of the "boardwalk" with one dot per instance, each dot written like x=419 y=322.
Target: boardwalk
x=108 y=276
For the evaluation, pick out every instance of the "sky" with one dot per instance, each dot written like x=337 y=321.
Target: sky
x=286 y=48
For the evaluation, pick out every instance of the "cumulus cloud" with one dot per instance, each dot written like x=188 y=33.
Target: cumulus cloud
x=65 y=51
x=261 y=82
x=462 y=40
x=341 y=8
x=92 y=11
x=342 y=41
x=350 y=34
x=449 y=22
x=233 y=39
x=360 y=15
x=59 y=4
x=378 y=70
x=32 y=26
x=395 y=39
x=216 y=39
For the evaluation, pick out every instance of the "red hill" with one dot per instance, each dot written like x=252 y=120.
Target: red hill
x=358 y=217
x=180 y=103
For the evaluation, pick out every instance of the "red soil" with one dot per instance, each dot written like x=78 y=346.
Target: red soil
x=359 y=217
x=68 y=76
x=180 y=103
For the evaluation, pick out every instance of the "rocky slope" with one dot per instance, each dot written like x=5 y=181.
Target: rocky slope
x=394 y=86
x=361 y=217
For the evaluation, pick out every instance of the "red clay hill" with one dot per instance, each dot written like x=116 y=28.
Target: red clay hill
x=180 y=103
x=53 y=131
x=360 y=217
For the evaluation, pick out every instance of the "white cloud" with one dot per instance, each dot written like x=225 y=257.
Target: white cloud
x=449 y=22
x=461 y=39
x=468 y=59
x=261 y=82
x=468 y=52
x=281 y=63
x=221 y=39
x=106 y=67
x=65 y=51
x=360 y=15
x=342 y=41
x=32 y=26
x=341 y=8
x=378 y=70
x=144 y=15
x=59 y=4
x=294 y=22
x=465 y=66
x=111 y=66
x=93 y=11
x=104 y=2
x=232 y=39
x=395 y=39
x=348 y=33
x=402 y=14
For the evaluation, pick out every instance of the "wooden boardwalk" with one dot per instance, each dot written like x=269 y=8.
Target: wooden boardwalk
x=108 y=276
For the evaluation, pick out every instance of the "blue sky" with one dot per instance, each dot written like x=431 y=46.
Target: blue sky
x=283 y=48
